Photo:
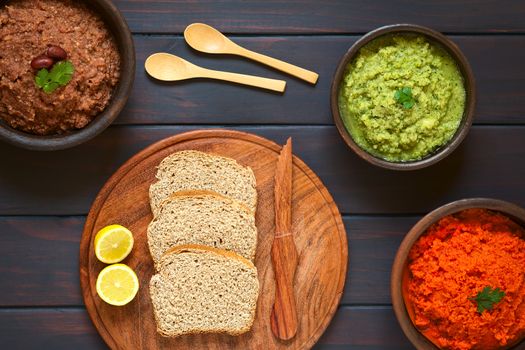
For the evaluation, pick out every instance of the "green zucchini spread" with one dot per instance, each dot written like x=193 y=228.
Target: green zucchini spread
x=402 y=98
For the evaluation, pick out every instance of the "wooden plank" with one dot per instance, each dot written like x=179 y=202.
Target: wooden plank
x=501 y=94
x=39 y=261
x=311 y=16
x=215 y=102
x=352 y=328
x=47 y=275
x=365 y=327
x=48 y=329
x=372 y=246
x=489 y=163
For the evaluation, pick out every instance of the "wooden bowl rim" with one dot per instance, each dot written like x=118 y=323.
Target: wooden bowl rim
x=118 y=26
x=511 y=210
x=470 y=90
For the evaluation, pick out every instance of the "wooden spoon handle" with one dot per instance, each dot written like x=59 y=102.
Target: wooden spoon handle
x=298 y=72
x=251 y=80
x=283 y=319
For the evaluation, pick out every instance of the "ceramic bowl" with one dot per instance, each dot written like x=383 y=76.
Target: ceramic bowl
x=119 y=28
x=400 y=273
x=435 y=38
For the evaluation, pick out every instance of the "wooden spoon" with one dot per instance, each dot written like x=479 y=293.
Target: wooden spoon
x=168 y=67
x=205 y=38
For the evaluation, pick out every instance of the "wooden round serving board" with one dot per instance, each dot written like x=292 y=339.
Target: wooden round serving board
x=317 y=227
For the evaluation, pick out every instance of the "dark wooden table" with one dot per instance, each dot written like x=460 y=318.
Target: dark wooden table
x=44 y=197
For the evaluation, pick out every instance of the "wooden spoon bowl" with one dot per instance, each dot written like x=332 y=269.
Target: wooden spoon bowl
x=403 y=308
x=205 y=38
x=435 y=38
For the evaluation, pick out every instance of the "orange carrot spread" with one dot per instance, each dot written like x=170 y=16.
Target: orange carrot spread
x=467 y=281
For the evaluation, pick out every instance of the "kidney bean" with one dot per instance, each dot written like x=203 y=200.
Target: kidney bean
x=42 y=61
x=56 y=52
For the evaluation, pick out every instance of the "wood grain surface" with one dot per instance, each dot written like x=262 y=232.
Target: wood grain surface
x=71 y=329
x=317 y=229
x=487 y=164
x=44 y=197
x=494 y=58
x=329 y=16
x=354 y=327
x=46 y=276
x=283 y=318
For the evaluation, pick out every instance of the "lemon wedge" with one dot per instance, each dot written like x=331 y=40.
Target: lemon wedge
x=117 y=284
x=113 y=244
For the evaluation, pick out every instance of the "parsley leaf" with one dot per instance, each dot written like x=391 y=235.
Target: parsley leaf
x=405 y=98
x=486 y=299
x=41 y=77
x=60 y=75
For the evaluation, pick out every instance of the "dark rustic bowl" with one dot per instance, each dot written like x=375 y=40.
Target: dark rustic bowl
x=119 y=28
x=435 y=38
x=400 y=273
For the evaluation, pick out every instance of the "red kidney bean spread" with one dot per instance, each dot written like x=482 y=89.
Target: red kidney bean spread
x=27 y=29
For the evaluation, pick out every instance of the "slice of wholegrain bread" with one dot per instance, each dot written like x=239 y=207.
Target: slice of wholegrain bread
x=205 y=218
x=202 y=289
x=194 y=170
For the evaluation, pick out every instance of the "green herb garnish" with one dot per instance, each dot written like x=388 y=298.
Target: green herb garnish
x=487 y=298
x=60 y=75
x=404 y=96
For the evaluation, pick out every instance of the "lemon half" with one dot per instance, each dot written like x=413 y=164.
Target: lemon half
x=117 y=284
x=113 y=244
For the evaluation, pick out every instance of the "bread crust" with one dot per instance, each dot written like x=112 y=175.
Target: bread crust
x=198 y=248
x=155 y=205
x=204 y=193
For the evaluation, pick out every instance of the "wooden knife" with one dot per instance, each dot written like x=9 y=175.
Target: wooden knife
x=283 y=319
